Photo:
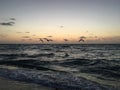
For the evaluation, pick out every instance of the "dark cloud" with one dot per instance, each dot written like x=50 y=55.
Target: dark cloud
x=13 y=19
x=10 y=22
x=7 y=23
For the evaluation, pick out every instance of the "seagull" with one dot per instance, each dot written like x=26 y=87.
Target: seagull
x=40 y=39
x=48 y=40
x=65 y=40
x=81 y=40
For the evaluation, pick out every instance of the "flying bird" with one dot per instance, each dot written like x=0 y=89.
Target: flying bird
x=65 y=40
x=48 y=40
x=40 y=39
x=81 y=40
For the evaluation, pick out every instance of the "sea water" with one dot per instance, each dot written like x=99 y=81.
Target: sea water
x=64 y=66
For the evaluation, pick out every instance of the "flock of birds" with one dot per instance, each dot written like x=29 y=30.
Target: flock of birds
x=42 y=40
x=48 y=38
x=11 y=22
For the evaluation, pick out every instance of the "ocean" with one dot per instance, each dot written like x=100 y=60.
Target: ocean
x=63 y=66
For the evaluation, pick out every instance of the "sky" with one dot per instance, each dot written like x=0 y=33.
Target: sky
x=59 y=21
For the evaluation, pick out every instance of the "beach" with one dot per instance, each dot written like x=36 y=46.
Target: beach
x=7 y=84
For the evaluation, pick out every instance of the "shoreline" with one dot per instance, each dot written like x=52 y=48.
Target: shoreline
x=8 y=84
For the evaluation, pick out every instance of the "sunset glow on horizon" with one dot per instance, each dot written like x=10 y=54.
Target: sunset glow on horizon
x=63 y=21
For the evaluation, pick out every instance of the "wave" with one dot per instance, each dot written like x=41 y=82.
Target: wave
x=12 y=56
x=15 y=56
x=105 y=68
x=42 y=55
x=30 y=64
x=61 y=80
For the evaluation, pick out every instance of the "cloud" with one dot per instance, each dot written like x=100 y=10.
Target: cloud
x=18 y=32
x=7 y=23
x=61 y=26
x=26 y=37
x=33 y=35
x=10 y=22
x=82 y=37
x=27 y=32
x=93 y=37
x=13 y=19
x=2 y=35
x=49 y=36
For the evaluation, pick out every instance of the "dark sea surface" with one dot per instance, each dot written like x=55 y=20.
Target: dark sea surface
x=64 y=66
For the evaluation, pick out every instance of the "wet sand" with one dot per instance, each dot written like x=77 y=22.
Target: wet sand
x=7 y=84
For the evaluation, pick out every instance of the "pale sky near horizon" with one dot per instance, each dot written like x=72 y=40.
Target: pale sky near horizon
x=25 y=21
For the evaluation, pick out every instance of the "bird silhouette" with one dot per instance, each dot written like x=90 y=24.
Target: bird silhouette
x=48 y=40
x=65 y=40
x=40 y=39
x=81 y=40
